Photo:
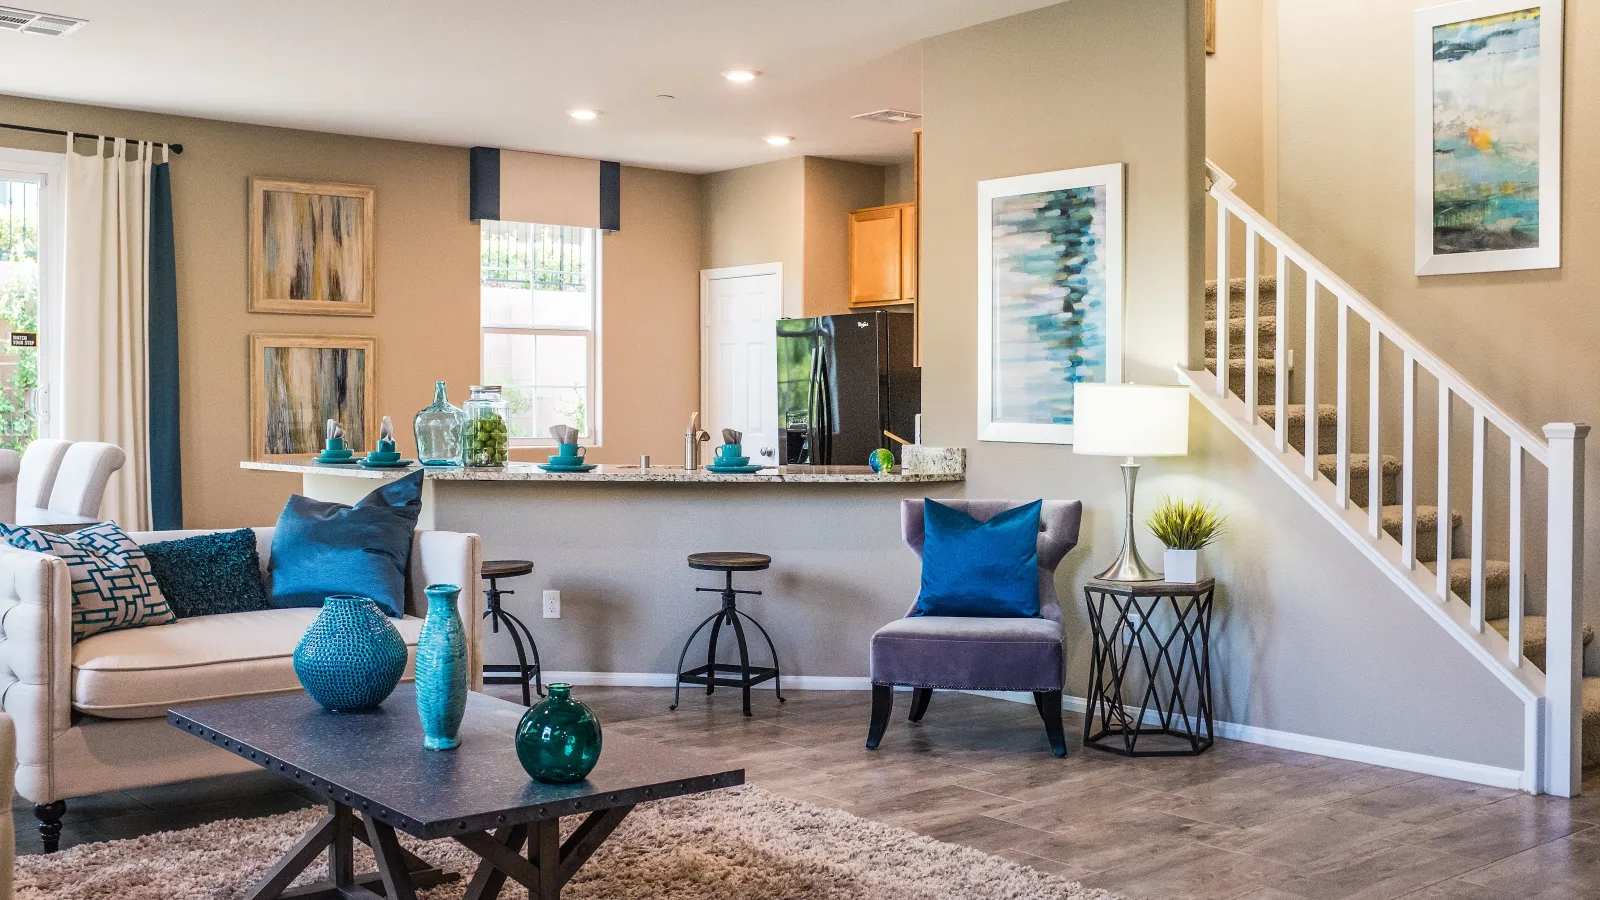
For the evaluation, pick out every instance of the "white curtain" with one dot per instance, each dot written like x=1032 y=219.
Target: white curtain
x=104 y=361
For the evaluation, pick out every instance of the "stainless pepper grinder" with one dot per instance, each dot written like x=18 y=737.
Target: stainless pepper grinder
x=692 y=437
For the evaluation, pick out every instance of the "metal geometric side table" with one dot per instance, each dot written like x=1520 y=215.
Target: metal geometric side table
x=1151 y=659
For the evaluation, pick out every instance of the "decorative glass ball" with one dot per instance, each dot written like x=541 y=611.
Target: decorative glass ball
x=558 y=741
x=881 y=461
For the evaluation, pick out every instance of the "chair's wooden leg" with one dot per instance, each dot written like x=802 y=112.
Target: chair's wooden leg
x=882 y=707
x=919 y=702
x=1049 y=703
x=49 y=816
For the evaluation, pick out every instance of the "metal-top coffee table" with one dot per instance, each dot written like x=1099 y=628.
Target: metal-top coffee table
x=378 y=779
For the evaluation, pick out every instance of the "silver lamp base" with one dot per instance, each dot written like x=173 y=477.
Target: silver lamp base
x=1129 y=567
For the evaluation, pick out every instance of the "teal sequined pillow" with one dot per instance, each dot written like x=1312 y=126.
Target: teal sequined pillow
x=112 y=587
x=210 y=574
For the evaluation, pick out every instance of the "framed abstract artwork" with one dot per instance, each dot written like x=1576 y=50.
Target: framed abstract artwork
x=1051 y=251
x=310 y=248
x=299 y=382
x=1488 y=136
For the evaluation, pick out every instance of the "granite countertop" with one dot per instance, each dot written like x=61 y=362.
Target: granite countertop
x=523 y=471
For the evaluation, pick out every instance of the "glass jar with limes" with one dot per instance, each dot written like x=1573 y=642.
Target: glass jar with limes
x=483 y=436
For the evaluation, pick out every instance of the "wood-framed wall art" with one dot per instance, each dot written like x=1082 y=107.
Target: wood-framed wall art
x=1488 y=136
x=311 y=248
x=1211 y=27
x=298 y=382
x=1051 y=257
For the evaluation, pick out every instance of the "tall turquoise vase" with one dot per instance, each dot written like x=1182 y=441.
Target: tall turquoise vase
x=351 y=657
x=442 y=669
x=558 y=740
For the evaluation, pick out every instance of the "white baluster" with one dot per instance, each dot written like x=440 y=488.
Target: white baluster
x=1564 y=610
x=1441 y=556
x=1280 y=424
x=1309 y=432
x=1514 y=540
x=1252 y=328
x=1224 y=299
x=1341 y=418
x=1408 y=466
x=1479 y=437
x=1374 y=445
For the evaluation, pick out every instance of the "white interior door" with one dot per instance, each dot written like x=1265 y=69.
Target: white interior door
x=739 y=309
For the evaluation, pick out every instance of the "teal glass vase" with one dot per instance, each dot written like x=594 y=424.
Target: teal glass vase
x=558 y=741
x=351 y=657
x=442 y=669
x=438 y=430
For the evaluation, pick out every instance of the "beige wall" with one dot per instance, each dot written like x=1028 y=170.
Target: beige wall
x=1309 y=637
x=427 y=288
x=900 y=183
x=1240 y=115
x=756 y=215
x=1527 y=339
x=833 y=188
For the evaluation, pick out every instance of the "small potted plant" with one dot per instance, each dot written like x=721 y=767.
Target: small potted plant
x=1185 y=527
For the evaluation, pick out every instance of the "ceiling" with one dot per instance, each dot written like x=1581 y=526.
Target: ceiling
x=503 y=73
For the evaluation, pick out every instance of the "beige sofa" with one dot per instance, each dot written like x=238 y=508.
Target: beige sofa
x=91 y=717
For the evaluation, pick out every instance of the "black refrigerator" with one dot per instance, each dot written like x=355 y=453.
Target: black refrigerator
x=843 y=381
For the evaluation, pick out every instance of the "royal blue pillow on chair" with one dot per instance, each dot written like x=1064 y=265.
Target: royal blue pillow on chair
x=321 y=548
x=979 y=569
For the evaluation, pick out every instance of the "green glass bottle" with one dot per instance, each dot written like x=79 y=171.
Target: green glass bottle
x=558 y=741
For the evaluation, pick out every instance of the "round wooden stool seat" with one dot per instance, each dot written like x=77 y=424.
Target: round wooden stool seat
x=729 y=562
x=506 y=568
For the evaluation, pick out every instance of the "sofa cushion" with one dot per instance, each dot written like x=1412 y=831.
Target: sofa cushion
x=968 y=653
x=321 y=548
x=112 y=586
x=209 y=574
x=140 y=673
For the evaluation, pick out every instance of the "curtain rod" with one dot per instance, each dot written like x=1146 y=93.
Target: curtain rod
x=175 y=148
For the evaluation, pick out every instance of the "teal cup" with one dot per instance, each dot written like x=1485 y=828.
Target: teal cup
x=568 y=455
x=730 y=451
x=335 y=445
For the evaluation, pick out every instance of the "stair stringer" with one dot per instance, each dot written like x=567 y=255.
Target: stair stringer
x=1487 y=646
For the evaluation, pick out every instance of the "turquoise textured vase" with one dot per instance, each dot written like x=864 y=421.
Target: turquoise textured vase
x=442 y=669
x=351 y=657
x=558 y=741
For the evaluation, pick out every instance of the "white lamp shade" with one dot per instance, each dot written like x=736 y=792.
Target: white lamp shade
x=1130 y=420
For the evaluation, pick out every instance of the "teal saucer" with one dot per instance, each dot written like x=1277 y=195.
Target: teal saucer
x=395 y=464
x=733 y=470
x=336 y=461
x=583 y=468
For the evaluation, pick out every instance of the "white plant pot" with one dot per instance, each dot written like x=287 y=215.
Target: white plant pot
x=1185 y=566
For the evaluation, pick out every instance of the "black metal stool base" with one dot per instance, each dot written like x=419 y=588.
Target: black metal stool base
x=742 y=676
x=524 y=671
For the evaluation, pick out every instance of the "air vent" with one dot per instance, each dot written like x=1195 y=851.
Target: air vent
x=49 y=24
x=892 y=116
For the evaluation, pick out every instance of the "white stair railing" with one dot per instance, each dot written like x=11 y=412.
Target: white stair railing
x=1552 y=757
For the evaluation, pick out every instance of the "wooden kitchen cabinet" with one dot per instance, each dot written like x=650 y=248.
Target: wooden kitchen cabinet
x=883 y=255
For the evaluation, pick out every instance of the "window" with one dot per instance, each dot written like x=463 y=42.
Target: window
x=30 y=195
x=541 y=335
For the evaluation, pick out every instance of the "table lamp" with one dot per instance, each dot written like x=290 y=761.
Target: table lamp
x=1130 y=420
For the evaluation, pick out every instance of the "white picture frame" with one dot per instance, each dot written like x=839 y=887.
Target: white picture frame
x=1546 y=252
x=1012 y=372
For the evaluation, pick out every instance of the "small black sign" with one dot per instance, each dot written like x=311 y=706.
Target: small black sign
x=24 y=338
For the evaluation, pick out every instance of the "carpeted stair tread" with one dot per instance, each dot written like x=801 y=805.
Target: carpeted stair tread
x=1534 y=636
x=1268 y=290
x=1266 y=376
x=1266 y=337
x=1328 y=463
x=1327 y=417
x=1496 y=585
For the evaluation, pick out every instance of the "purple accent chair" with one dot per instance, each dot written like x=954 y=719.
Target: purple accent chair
x=972 y=654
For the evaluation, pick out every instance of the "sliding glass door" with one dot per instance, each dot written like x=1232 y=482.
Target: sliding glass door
x=30 y=285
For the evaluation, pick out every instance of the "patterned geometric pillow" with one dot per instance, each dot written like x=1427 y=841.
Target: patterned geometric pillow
x=112 y=587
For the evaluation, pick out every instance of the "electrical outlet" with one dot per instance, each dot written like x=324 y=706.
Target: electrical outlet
x=552 y=604
x=1135 y=621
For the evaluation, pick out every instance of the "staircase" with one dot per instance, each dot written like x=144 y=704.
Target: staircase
x=1474 y=585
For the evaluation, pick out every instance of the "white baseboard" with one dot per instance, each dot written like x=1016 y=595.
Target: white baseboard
x=1455 y=769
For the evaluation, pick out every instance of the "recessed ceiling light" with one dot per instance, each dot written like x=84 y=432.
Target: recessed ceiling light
x=583 y=115
x=778 y=140
x=740 y=75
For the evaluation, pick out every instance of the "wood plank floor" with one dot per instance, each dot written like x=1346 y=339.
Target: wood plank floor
x=1241 y=821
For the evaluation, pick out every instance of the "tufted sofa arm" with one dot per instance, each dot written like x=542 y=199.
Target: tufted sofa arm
x=35 y=659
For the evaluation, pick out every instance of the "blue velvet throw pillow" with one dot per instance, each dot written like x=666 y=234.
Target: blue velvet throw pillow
x=210 y=574
x=321 y=548
x=979 y=569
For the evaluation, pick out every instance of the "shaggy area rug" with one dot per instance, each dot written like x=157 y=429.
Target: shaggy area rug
x=743 y=844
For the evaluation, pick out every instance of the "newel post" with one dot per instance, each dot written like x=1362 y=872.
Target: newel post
x=1564 y=611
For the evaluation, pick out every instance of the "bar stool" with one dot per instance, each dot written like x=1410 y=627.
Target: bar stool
x=493 y=570
x=748 y=675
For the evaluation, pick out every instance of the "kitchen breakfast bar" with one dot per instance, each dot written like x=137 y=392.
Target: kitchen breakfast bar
x=615 y=542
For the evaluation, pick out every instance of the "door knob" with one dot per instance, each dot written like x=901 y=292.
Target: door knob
x=768 y=451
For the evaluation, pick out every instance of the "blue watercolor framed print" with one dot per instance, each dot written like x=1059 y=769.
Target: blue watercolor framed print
x=1488 y=119
x=1051 y=251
